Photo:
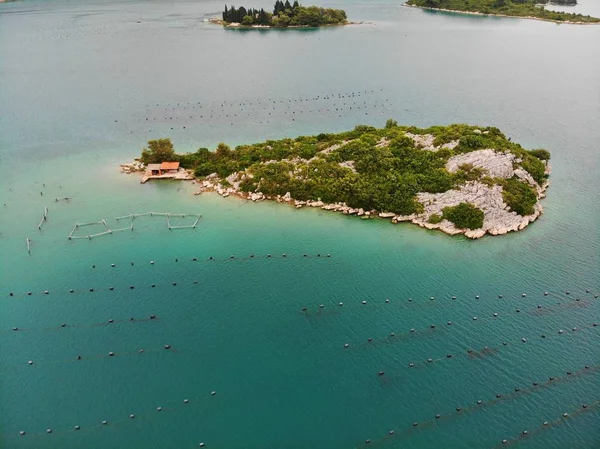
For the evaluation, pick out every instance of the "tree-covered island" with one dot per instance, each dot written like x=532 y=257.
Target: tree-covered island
x=460 y=179
x=284 y=15
x=529 y=9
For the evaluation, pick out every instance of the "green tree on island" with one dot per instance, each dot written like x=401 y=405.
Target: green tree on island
x=158 y=151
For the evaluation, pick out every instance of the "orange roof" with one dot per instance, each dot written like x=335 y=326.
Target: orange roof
x=169 y=166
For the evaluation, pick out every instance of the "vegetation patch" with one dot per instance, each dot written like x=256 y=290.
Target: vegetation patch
x=464 y=216
x=518 y=195
x=514 y=8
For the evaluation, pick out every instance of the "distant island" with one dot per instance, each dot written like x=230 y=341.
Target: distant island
x=284 y=15
x=459 y=179
x=528 y=9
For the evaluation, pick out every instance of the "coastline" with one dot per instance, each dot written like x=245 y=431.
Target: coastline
x=214 y=184
x=474 y=13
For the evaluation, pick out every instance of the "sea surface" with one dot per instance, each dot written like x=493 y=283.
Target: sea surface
x=85 y=84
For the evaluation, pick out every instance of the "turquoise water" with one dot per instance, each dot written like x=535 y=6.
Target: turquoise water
x=78 y=82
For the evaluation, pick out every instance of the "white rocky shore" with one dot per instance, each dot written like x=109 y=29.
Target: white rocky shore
x=498 y=219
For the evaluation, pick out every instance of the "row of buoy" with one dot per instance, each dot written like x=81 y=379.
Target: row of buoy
x=454 y=298
x=487 y=350
x=79 y=326
x=91 y=290
x=498 y=397
x=183 y=404
x=432 y=328
x=109 y=354
x=251 y=101
x=584 y=408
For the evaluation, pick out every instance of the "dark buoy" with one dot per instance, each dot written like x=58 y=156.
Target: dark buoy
x=369 y=339
x=167 y=346
x=76 y=428
x=412 y=330
x=518 y=310
x=535 y=384
x=111 y=321
x=470 y=351
x=110 y=354
x=415 y=424
x=28 y=293
x=411 y=364
x=111 y=288
x=132 y=416
x=433 y=326
x=22 y=432
x=48 y=430
x=131 y=287
x=63 y=325
x=500 y=296
x=46 y=292
x=78 y=357
x=91 y=289
x=449 y=323
x=30 y=362
x=174 y=284
x=321 y=306
x=152 y=285
x=71 y=291
x=438 y=416
x=449 y=356
x=186 y=401
x=498 y=396
x=104 y=423
x=387 y=300
x=152 y=317
x=346 y=345
x=429 y=360
x=304 y=309
x=517 y=389
x=381 y=373
x=458 y=409
x=479 y=402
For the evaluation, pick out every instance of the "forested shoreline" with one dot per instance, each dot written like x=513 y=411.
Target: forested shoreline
x=512 y=8
x=284 y=15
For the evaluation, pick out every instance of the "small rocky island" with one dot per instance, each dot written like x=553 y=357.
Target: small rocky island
x=284 y=15
x=459 y=179
x=527 y=9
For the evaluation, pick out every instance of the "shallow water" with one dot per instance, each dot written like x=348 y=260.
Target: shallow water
x=79 y=81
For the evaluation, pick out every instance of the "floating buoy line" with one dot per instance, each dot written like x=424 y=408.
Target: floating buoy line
x=482 y=404
x=66 y=325
x=210 y=259
x=161 y=408
x=546 y=425
x=314 y=310
x=82 y=357
x=474 y=354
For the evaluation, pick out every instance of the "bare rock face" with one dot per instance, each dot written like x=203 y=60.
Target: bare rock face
x=498 y=165
x=425 y=142
x=498 y=220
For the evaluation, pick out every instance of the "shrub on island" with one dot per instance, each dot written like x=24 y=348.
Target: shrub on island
x=464 y=216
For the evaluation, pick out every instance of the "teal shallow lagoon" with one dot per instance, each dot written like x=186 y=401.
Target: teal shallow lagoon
x=283 y=377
